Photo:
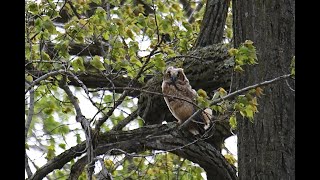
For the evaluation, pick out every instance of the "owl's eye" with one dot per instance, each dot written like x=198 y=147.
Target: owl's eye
x=180 y=76
x=168 y=74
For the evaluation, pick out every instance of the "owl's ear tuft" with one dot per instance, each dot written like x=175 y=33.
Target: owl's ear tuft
x=165 y=70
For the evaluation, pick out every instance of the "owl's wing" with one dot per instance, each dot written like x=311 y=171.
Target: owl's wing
x=202 y=120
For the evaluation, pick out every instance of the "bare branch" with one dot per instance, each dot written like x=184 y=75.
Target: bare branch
x=231 y=95
x=182 y=56
x=84 y=87
x=26 y=165
x=30 y=113
x=71 y=97
x=125 y=121
x=146 y=91
x=290 y=86
x=85 y=125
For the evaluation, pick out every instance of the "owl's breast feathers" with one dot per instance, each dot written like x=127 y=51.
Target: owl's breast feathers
x=179 y=108
x=175 y=83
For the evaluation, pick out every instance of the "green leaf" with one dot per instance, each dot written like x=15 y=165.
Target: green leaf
x=292 y=66
x=38 y=24
x=51 y=152
x=187 y=26
x=242 y=113
x=78 y=138
x=233 y=51
x=45 y=56
x=222 y=92
x=129 y=33
x=238 y=68
x=230 y=158
x=95 y=62
x=97 y=1
x=105 y=35
x=63 y=146
x=33 y=8
x=29 y=78
x=48 y=24
x=248 y=42
x=202 y=93
x=249 y=112
x=233 y=122
x=159 y=62
x=77 y=64
x=50 y=125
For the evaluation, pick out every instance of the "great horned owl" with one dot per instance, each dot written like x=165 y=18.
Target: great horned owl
x=176 y=83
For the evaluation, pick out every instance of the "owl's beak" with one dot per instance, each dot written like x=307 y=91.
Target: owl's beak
x=173 y=79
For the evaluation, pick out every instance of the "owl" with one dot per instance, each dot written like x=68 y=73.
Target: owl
x=176 y=83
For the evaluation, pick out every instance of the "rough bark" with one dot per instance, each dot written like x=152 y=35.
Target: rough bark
x=266 y=148
x=78 y=49
x=212 y=26
x=159 y=137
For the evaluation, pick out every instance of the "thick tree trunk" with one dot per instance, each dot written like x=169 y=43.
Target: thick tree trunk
x=266 y=148
x=213 y=23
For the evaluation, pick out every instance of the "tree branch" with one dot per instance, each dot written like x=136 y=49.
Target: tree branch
x=125 y=92
x=73 y=9
x=146 y=91
x=26 y=165
x=125 y=121
x=45 y=76
x=30 y=112
x=153 y=137
x=85 y=125
x=231 y=95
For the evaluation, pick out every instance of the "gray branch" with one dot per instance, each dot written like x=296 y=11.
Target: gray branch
x=231 y=95
x=30 y=112
x=43 y=77
x=85 y=125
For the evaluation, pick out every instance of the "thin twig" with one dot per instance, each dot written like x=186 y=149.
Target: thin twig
x=234 y=94
x=73 y=9
x=43 y=61
x=125 y=121
x=290 y=86
x=84 y=87
x=250 y=87
x=104 y=172
x=27 y=167
x=179 y=167
x=35 y=82
x=110 y=112
x=145 y=91
x=125 y=93
x=183 y=56
x=155 y=19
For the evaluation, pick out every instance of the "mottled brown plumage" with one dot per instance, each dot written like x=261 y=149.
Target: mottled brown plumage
x=175 y=83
